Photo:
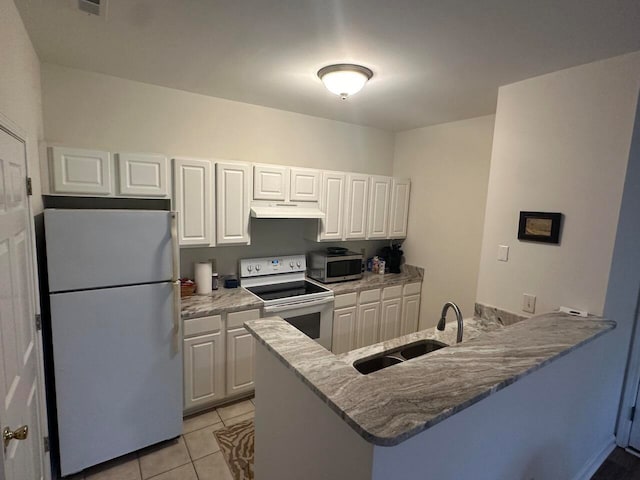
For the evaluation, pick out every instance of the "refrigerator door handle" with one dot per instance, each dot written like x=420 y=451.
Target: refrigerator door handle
x=176 y=316
x=175 y=248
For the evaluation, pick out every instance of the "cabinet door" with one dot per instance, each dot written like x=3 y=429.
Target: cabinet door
x=305 y=185
x=410 y=314
x=368 y=324
x=81 y=171
x=233 y=193
x=379 y=198
x=390 y=319
x=356 y=206
x=193 y=200
x=270 y=182
x=143 y=175
x=344 y=330
x=332 y=204
x=399 y=213
x=203 y=370
x=240 y=361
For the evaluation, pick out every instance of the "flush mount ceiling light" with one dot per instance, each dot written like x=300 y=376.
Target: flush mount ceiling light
x=344 y=79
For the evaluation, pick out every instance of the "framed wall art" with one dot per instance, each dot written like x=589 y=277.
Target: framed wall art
x=540 y=227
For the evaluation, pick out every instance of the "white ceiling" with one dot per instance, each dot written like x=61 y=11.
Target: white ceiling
x=434 y=61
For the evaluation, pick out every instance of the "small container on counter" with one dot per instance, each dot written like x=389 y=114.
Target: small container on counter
x=381 y=266
x=214 y=281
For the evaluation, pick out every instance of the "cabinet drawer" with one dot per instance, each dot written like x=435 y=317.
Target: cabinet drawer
x=392 y=292
x=370 y=296
x=237 y=319
x=412 y=288
x=199 y=326
x=346 y=300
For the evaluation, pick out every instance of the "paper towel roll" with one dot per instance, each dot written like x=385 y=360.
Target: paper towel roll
x=203 y=278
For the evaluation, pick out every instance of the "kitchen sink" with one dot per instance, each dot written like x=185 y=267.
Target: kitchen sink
x=397 y=355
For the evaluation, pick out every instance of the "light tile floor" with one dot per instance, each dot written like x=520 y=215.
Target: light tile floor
x=195 y=455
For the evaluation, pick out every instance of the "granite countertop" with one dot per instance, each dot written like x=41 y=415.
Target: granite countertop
x=391 y=405
x=410 y=274
x=223 y=300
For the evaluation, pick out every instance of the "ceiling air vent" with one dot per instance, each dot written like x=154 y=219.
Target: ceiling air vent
x=93 y=7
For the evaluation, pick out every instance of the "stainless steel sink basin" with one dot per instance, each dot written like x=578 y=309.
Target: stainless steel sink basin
x=397 y=355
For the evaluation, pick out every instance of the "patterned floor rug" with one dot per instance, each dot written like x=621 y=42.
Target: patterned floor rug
x=236 y=443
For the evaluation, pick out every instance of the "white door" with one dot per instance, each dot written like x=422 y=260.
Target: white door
x=19 y=375
x=143 y=175
x=356 y=210
x=368 y=324
x=203 y=370
x=379 y=198
x=240 y=360
x=344 y=330
x=305 y=185
x=332 y=204
x=410 y=314
x=270 y=182
x=390 y=319
x=233 y=193
x=81 y=171
x=193 y=200
x=399 y=214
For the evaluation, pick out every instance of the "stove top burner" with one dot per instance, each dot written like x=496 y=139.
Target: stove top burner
x=276 y=291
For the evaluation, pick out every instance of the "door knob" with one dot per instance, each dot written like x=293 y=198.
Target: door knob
x=20 y=433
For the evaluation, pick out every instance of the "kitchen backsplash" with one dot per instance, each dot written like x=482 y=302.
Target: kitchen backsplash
x=268 y=237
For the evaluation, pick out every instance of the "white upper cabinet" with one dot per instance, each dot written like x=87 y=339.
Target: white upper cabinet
x=356 y=203
x=193 y=200
x=305 y=185
x=143 y=175
x=80 y=171
x=379 y=198
x=233 y=195
x=399 y=213
x=270 y=182
x=332 y=204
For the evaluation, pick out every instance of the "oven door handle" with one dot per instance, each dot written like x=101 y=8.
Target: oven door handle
x=293 y=306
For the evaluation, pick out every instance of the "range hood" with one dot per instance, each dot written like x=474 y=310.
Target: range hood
x=286 y=210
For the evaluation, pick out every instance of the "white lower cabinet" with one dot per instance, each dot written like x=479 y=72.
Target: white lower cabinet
x=219 y=356
x=344 y=330
x=203 y=370
x=390 y=319
x=410 y=314
x=368 y=324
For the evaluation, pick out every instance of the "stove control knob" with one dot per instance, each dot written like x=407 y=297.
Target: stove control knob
x=249 y=267
x=291 y=263
x=258 y=267
x=298 y=264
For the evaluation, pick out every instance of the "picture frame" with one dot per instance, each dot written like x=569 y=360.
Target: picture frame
x=543 y=227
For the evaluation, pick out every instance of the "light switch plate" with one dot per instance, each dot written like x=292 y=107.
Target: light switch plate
x=503 y=253
x=528 y=303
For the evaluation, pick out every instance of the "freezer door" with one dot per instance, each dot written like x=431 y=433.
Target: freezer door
x=118 y=372
x=102 y=248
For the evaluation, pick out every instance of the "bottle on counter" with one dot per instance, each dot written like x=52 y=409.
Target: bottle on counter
x=381 y=266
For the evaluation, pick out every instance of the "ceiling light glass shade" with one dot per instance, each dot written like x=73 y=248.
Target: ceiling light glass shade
x=344 y=79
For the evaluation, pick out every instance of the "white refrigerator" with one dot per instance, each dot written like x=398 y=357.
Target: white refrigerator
x=115 y=326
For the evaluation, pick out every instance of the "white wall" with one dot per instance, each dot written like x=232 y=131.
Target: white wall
x=561 y=144
x=449 y=169
x=20 y=99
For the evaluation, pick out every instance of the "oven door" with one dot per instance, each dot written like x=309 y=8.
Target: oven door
x=313 y=318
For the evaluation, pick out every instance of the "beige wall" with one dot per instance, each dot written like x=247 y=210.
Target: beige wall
x=561 y=144
x=92 y=110
x=20 y=100
x=449 y=168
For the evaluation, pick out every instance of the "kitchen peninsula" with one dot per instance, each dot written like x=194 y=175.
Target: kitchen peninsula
x=447 y=414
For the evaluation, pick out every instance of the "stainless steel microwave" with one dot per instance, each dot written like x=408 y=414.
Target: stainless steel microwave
x=334 y=267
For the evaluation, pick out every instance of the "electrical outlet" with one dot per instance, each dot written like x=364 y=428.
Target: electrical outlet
x=528 y=303
x=503 y=253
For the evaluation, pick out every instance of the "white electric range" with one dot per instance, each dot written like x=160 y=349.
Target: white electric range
x=285 y=292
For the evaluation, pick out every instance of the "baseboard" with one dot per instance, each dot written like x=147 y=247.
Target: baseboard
x=594 y=462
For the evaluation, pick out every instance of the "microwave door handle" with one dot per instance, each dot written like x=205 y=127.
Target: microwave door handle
x=291 y=306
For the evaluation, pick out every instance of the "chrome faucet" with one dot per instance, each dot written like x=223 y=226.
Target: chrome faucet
x=443 y=319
